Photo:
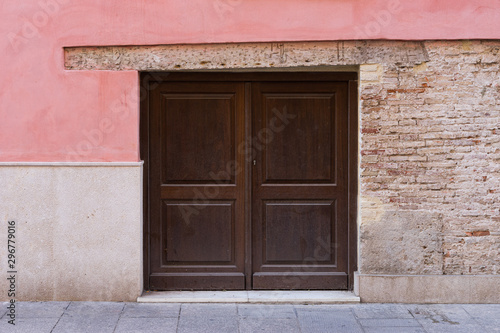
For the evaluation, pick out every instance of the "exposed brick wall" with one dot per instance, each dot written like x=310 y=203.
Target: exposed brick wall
x=430 y=143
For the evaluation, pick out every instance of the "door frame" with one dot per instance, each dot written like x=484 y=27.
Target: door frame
x=150 y=79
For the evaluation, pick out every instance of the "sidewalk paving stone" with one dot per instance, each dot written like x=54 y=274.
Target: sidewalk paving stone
x=151 y=310
x=209 y=310
x=442 y=318
x=146 y=325
x=41 y=309
x=84 y=323
x=29 y=325
x=202 y=324
x=271 y=325
x=94 y=308
x=487 y=311
x=487 y=315
x=208 y=318
x=327 y=320
x=386 y=311
x=388 y=329
x=373 y=322
x=266 y=311
x=3 y=310
x=116 y=317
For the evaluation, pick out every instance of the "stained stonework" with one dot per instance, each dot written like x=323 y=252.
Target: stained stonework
x=241 y=56
x=402 y=242
x=429 y=139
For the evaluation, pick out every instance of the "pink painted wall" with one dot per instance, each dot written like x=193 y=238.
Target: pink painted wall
x=49 y=114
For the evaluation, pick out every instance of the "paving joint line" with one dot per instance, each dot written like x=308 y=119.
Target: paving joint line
x=60 y=317
x=119 y=317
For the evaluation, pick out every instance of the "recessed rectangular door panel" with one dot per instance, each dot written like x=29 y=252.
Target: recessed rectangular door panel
x=199 y=137
x=303 y=137
x=305 y=226
x=191 y=230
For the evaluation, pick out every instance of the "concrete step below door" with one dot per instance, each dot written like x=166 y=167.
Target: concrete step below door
x=252 y=296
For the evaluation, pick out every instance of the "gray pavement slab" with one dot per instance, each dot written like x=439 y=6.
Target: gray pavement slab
x=3 y=310
x=266 y=311
x=116 y=317
x=271 y=325
x=446 y=328
x=208 y=318
x=444 y=318
x=487 y=311
x=149 y=325
x=325 y=307
x=86 y=323
x=151 y=310
x=202 y=324
x=208 y=310
x=490 y=325
x=373 y=322
x=379 y=311
x=389 y=329
x=487 y=315
x=29 y=325
x=94 y=308
x=327 y=320
x=41 y=309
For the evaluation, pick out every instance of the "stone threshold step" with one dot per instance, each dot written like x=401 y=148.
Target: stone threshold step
x=251 y=296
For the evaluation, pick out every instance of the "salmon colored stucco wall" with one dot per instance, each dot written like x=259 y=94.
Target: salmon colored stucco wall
x=50 y=114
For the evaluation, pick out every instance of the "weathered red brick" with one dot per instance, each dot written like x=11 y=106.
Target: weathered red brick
x=373 y=152
x=406 y=91
x=368 y=130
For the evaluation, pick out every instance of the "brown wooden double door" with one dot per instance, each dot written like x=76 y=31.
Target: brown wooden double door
x=248 y=181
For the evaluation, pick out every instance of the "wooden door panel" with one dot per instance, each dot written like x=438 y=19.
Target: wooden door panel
x=199 y=138
x=197 y=193
x=192 y=240
x=300 y=211
x=305 y=226
x=305 y=140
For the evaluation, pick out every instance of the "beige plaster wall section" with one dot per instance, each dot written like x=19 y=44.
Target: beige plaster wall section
x=79 y=231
